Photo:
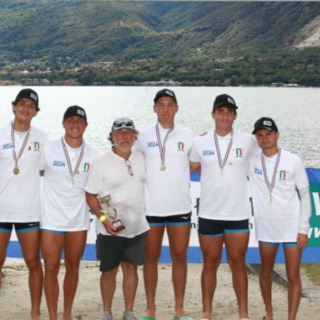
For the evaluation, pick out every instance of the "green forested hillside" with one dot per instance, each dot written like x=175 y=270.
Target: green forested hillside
x=102 y=30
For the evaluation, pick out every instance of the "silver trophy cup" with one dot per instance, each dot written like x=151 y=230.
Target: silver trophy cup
x=111 y=213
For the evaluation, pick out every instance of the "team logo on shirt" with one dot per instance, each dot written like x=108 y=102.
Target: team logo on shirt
x=208 y=153
x=7 y=146
x=257 y=171
x=57 y=163
x=152 y=144
x=239 y=152
x=36 y=146
x=283 y=174
x=181 y=146
x=86 y=167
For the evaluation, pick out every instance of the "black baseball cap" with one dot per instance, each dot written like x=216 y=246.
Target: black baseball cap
x=265 y=123
x=75 y=111
x=224 y=100
x=28 y=94
x=165 y=93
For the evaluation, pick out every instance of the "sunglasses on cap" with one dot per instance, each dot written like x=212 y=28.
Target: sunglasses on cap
x=123 y=124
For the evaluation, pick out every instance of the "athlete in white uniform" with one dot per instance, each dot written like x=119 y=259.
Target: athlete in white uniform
x=277 y=179
x=166 y=148
x=20 y=146
x=224 y=154
x=117 y=178
x=65 y=217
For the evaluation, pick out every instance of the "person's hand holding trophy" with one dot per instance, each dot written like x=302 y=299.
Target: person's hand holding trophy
x=110 y=214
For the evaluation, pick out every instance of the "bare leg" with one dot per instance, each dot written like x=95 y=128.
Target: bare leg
x=211 y=248
x=73 y=250
x=52 y=245
x=236 y=246
x=108 y=287
x=150 y=268
x=4 y=241
x=268 y=255
x=30 y=245
x=293 y=259
x=179 y=241
x=130 y=284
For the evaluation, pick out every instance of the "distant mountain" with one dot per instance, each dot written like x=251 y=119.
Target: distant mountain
x=110 y=30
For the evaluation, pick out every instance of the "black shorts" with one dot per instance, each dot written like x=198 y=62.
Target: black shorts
x=217 y=228
x=112 y=250
x=177 y=220
x=20 y=227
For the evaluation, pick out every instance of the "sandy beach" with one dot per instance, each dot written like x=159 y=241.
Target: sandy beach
x=15 y=301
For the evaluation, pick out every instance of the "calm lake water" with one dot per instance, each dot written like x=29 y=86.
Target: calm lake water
x=295 y=110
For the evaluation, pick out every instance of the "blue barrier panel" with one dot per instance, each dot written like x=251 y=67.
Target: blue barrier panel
x=310 y=254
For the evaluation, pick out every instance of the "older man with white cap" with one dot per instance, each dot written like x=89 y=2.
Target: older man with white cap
x=115 y=194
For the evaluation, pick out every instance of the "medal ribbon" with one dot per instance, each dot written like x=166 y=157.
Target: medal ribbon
x=64 y=147
x=15 y=158
x=270 y=186
x=162 y=148
x=222 y=162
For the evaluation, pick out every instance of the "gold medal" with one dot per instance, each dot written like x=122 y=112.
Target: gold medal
x=163 y=167
x=15 y=157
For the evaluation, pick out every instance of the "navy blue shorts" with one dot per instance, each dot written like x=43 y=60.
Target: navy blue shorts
x=20 y=227
x=217 y=228
x=177 y=220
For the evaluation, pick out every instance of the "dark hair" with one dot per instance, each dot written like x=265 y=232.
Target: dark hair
x=14 y=103
x=227 y=106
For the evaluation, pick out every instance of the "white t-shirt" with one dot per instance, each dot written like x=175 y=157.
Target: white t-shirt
x=224 y=194
x=64 y=206
x=167 y=192
x=278 y=220
x=109 y=175
x=20 y=194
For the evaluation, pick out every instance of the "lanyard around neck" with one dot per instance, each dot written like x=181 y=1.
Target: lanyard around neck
x=162 y=147
x=72 y=172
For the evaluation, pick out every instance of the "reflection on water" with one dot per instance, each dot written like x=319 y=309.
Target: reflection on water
x=296 y=111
